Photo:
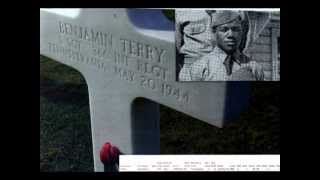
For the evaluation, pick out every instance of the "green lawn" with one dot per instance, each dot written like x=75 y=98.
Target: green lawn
x=65 y=135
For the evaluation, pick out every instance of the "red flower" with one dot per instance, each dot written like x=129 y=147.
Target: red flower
x=109 y=154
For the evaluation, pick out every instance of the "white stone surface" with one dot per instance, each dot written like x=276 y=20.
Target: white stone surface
x=129 y=67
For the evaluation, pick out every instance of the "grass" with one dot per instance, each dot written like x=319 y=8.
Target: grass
x=169 y=14
x=257 y=131
x=65 y=134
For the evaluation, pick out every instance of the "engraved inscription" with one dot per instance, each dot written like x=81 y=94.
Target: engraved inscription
x=164 y=89
x=140 y=50
x=120 y=59
x=99 y=51
x=155 y=70
x=124 y=74
x=175 y=92
x=147 y=83
x=75 y=56
x=87 y=34
x=136 y=62
x=73 y=43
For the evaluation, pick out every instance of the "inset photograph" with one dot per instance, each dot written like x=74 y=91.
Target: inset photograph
x=227 y=45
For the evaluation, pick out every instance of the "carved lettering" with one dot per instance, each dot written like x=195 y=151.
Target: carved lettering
x=73 y=43
x=177 y=93
x=99 y=52
x=72 y=55
x=92 y=47
x=87 y=34
x=149 y=52
x=120 y=59
x=140 y=50
x=155 y=70
x=159 y=53
x=147 y=82
x=124 y=74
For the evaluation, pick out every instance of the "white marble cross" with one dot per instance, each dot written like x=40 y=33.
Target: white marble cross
x=127 y=57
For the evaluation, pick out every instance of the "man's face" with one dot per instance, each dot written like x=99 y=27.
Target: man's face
x=228 y=36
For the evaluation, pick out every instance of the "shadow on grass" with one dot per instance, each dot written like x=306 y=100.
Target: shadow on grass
x=61 y=84
x=256 y=131
x=65 y=133
x=68 y=93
